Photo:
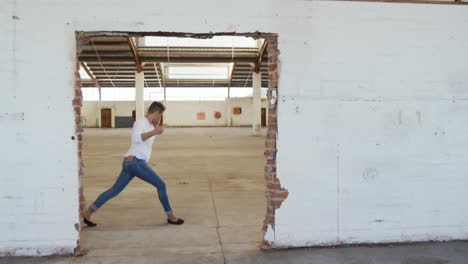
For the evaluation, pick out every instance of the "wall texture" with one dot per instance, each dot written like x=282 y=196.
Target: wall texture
x=180 y=113
x=372 y=114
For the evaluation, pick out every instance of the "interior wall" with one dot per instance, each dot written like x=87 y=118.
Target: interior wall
x=372 y=115
x=90 y=111
x=245 y=118
x=181 y=113
x=186 y=113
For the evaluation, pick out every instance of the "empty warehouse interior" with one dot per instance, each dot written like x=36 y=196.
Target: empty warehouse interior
x=211 y=155
x=294 y=131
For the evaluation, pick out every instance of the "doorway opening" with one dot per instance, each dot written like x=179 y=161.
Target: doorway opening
x=112 y=59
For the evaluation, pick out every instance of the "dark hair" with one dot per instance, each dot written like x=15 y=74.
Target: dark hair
x=156 y=107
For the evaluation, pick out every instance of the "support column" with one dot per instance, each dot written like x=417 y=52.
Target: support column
x=98 y=118
x=257 y=103
x=139 y=99
x=228 y=112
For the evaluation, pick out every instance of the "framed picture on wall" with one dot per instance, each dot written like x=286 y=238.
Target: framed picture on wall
x=237 y=110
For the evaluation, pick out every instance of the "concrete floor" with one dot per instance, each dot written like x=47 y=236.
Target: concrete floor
x=215 y=182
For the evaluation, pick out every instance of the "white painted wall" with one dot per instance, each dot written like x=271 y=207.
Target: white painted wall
x=372 y=147
x=180 y=113
x=185 y=113
x=373 y=115
x=91 y=113
x=244 y=119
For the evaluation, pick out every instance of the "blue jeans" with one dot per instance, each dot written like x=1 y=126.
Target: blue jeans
x=140 y=169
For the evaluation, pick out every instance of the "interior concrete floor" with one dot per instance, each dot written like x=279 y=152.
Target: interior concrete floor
x=215 y=182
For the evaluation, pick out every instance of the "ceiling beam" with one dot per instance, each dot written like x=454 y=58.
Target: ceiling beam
x=106 y=53
x=90 y=75
x=164 y=59
x=110 y=43
x=135 y=54
x=260 y=56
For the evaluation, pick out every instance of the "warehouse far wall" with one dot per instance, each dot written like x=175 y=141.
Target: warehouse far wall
x=180 y=113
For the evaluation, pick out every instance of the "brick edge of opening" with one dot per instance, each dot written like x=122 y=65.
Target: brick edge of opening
x=77 y=103
x=275 y=193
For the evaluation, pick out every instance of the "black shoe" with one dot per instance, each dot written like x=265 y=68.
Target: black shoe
x=89 y=223
x=178 y=222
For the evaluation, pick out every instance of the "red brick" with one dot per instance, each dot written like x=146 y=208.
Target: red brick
x=276 y=204
x=77 y=102
x=270 y=143
x=282 y=195
x=272 y=52
x=269 y=153
x=273 y=186
x=269 y=219
x=78 y=111
x=270 y=169
x=272 y=67
x=264 y=245
x=82 y=37
x=78 y=92
x=271 y=135
x=272 y=45
x=270 y=178
x=273 y=183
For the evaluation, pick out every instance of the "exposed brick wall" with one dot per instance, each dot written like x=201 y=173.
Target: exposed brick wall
x=77 y=104
x=275 y=193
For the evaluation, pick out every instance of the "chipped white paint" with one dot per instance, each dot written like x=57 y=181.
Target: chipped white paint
x=353 y=78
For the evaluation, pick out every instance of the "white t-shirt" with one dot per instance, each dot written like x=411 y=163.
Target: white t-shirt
x=139 y=148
